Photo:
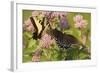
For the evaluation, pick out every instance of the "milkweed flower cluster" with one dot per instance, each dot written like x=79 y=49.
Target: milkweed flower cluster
x=46 y=41
x=80 y=22
x=28 y=26
x=61 y=16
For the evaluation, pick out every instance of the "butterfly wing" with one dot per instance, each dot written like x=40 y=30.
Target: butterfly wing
x=64 y=40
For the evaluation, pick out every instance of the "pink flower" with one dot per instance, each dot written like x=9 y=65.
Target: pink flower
x=78 y=18
x=28 y=26
x=46 y=41
x=80 y=22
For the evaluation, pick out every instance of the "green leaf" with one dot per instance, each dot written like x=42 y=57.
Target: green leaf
x=32 y=44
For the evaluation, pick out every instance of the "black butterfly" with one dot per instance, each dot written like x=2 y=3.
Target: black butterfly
x=65 y=40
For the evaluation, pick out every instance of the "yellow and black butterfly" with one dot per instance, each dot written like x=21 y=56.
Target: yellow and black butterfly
x=39 y=26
